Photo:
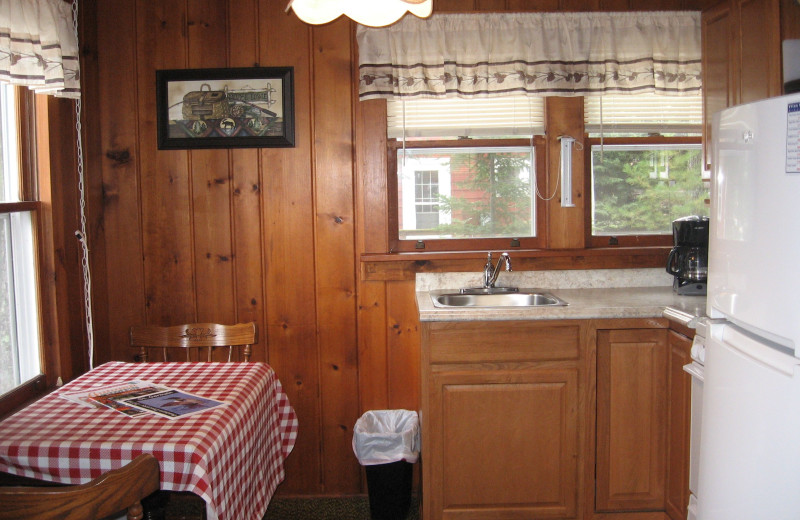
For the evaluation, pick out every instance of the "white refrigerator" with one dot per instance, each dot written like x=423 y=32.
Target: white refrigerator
x=749 y=454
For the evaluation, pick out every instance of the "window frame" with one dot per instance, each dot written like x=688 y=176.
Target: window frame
x=29 y=193
x=642 y=240
x=397 y=245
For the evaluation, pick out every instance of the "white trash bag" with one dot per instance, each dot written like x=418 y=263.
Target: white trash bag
x=384 y=436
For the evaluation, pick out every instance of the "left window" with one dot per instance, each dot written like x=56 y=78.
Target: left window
x=20 y=359
x=464 y=173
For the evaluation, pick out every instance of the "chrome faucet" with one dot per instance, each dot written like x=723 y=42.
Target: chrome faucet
x=491 y=272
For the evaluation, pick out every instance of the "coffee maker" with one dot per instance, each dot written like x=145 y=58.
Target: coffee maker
x=688 y=260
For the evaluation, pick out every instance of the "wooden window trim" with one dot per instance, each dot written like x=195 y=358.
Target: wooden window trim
x=404 y=266
x=396 y=245
x=16 y=207
x=30 y=182
x=22 y=395
x=600 y=241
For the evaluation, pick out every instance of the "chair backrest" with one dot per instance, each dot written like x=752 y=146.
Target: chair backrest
x=109 y=493
x=191 y=336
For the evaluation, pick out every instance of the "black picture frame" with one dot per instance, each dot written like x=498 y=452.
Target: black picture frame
x=225 y=108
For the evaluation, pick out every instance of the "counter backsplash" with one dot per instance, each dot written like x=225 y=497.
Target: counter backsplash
x=566 y=279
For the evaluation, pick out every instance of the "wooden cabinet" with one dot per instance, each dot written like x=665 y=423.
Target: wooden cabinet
x=565 y=419
x=632 y=403
x=741 y=42
x=718 y=67
x=501 y=427
x=678 y=423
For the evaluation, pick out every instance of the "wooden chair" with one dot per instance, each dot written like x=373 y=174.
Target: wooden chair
x=108 y=494
x=194 y=336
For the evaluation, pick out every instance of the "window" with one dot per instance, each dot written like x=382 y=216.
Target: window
x=463 y=173
x=466 y=192
x=426 y=199
x=640 y=189
x=645 y=159
x=470 y=175
x=19 y=320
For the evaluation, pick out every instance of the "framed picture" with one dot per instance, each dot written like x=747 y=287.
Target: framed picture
x=225 y=108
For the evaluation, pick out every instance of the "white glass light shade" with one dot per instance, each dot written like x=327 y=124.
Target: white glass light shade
x=374 y=13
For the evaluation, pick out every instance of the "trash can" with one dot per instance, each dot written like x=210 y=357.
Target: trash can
x=386 y=443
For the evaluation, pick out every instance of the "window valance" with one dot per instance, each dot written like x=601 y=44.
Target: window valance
x=561 y=54
x=39 y=46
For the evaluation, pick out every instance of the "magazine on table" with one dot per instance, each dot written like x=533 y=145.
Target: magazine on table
x=172 y=404
x=110 y=396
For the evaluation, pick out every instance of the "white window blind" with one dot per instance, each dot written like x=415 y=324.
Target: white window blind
x=643 y=114
x=475 y=117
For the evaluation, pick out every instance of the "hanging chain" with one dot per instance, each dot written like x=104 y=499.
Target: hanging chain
x=81 y=234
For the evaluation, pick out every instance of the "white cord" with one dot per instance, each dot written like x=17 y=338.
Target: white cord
x=602 y=133
x=81 y=234
x=533 y=160
x=404 y=134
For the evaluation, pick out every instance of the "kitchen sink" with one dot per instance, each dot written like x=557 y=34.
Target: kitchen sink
x=520 y=298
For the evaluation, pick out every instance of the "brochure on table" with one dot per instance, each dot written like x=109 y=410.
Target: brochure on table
x=141 y=398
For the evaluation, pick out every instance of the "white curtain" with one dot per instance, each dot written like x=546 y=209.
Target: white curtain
x=560 y=54
x=39 y=46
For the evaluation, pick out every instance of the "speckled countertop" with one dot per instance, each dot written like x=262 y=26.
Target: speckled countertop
x=612 y=293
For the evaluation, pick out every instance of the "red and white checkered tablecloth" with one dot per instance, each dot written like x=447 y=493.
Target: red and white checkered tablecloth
x=231 y=456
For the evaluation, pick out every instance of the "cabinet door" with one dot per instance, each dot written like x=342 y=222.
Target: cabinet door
x=759 y=36
x=719 y=73
x=680 y=386
x=505 y=444
x=631 y=420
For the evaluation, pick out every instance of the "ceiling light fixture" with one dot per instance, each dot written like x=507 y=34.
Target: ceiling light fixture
x=374 y=13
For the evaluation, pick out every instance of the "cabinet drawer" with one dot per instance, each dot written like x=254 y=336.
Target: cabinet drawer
x=501 y=341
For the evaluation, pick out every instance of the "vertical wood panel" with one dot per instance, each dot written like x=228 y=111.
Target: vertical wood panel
x=719 y=56
x=57 y=223
x=333 y=188
x=57 y=355
x=491 y=5
x=403 y=345
x=790 y=19
x=614 y=5
x=760 y=50
x=454 y=6
x=371 y=190
x=167 y=246
x=579 y=5
x=210 y=179
x=289 y=209
x=114 y=159
x=528 y=5
x=372 y=359
x=565 y=224
x=65 y=197
x=243 y=37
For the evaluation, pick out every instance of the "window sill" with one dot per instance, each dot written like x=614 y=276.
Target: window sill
x=405 y=266
x=23 y=395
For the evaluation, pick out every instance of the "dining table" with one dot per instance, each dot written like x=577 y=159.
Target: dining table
x=232 y=456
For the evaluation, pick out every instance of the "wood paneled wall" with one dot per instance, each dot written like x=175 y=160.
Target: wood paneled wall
x=269 y=235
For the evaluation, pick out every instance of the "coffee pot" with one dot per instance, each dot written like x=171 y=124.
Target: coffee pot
x=688 y=259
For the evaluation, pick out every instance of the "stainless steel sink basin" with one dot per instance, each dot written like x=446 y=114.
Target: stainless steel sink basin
x=522 y=298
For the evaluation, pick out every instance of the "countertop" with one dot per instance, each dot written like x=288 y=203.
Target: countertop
x=583 y=303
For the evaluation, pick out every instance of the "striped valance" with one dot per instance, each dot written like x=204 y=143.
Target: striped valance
x=39 y=46
x=562 y=54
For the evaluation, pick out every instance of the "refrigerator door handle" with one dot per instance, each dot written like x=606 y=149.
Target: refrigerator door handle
x=769 y=357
